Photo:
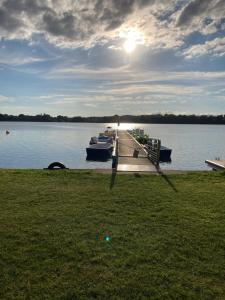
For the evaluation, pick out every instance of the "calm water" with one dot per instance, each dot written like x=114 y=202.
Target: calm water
x=35 y=145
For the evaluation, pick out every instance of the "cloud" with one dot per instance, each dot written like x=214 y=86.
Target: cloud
x=4 y=99
x=214 y=47
x=198 y=14
x=19 y=60
x=192 y=10
x=162 y=24
x=8 y=22
x=138 y=92
x=18 y=55
x=90 y=104
x=60 y=26
x=182 y=86
x=79 y=23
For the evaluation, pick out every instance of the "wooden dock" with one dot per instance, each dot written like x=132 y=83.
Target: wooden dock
x=216 y=164
x=127 y=160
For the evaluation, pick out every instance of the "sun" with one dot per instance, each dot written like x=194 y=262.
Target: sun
x=133 y=37
x=129 y=45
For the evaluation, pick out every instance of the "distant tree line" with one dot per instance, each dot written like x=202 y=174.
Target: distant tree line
x=154 y=118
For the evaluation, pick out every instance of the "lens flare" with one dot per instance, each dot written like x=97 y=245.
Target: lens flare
x=106 y=238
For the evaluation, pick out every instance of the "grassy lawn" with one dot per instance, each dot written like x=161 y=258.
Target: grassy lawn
x=166 y=236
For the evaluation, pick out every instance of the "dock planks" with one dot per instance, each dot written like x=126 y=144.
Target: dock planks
x=216 y=164
x=126 y=161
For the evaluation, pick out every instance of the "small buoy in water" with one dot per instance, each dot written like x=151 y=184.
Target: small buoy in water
x=7 y=132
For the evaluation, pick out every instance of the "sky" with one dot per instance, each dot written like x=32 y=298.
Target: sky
x=106 y=57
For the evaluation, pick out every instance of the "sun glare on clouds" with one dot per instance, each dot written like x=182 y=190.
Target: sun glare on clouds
x=129 y=45
x=133 y=37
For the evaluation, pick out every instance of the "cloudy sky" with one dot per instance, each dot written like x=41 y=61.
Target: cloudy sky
x=105 y=57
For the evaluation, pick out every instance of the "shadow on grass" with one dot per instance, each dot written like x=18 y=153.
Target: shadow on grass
x=137 y=175
x=160 y=172
x=113 y=178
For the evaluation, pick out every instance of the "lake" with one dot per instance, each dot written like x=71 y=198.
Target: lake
x=36 y=145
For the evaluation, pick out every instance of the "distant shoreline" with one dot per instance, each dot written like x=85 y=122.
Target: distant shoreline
x=139 y=119
x=87 y=122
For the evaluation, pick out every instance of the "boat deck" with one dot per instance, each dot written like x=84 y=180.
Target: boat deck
x=126 y=160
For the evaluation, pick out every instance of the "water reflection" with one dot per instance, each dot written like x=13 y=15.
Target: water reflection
x=36 y=145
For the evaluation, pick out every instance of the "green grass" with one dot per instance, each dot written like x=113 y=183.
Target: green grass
x=167 y=236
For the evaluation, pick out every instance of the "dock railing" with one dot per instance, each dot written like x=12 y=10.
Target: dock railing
x=115 y=152
x=153 y=150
